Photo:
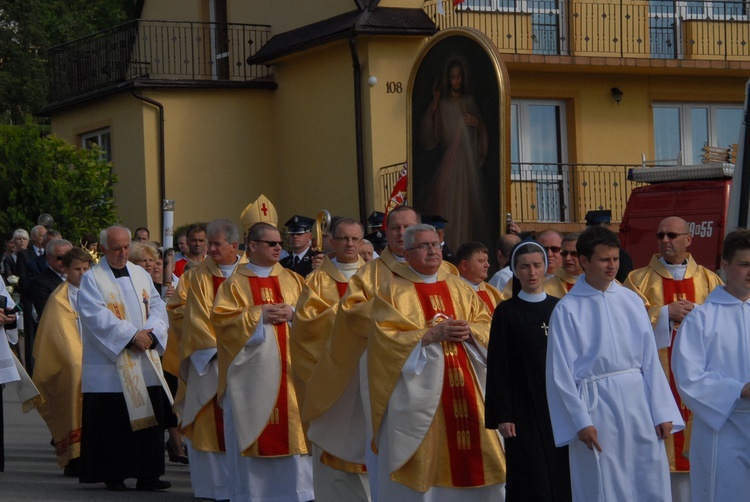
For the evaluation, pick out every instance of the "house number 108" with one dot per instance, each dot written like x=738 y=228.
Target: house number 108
x=393 y=88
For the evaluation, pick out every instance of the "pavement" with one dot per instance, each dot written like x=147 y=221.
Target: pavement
x=31 y=472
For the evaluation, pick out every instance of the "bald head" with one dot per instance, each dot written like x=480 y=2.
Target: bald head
x=673 y=238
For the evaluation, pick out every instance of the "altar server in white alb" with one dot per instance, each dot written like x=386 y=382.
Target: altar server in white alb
x=608 y=397
x=711 y=365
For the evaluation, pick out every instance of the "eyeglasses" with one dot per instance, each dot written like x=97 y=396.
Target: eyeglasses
x=565 y=253
x=271 y=244
x=348 y=239
x=425 y=246
x=59 y=257
x=670 y=235
x=554 y=249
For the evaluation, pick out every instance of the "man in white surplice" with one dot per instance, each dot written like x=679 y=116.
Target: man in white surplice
x=608 y=397
x=124 y=329
x=711 y=366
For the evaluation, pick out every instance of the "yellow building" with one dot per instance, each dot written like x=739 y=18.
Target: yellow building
x=306 y=102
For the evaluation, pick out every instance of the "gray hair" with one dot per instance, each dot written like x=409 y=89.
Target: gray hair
x=20 y=232
x=35 y=230
x=105 y=233
x=51 y=245
x=410 y=234
x=225 y=228
x=573 y=237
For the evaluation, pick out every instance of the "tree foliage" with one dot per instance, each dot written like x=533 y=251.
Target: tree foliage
x=48 y=175
x=28 y=28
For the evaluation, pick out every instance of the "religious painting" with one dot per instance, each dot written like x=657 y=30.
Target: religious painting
x=459 y=136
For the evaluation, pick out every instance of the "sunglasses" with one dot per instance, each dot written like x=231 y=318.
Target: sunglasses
x=565 y=254
x=59 y=257
x=271 y=244
x=554 y=249
x=670 y=235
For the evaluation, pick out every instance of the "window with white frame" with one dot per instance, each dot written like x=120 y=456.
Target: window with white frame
x=100 y=138
x=539 y=153
x=687 y=127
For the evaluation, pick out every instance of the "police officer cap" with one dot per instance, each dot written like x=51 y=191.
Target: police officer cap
x=435 y=220
x=598 y=217
x=299 y=224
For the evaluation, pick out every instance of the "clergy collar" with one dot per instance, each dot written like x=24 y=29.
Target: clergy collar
x=428 y=279
x=122 y=272
x=670 y=264
x=475 y=287
x=399 y=259
x=260 y=271
x=532 y=297
x=345 y=266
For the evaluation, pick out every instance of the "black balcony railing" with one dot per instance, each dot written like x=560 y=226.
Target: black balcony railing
x=661 y=29
x=156 y=50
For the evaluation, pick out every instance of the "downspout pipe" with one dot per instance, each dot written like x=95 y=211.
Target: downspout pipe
x=358 y=129
x=162 y=155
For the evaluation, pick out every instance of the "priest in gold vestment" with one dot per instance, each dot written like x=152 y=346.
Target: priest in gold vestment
x=472 y=259
x=58 y=354
x=566 y=275
x=670 y=287
x=426 y=362
x=338 y=473
x=266 y=451
x=202 y=419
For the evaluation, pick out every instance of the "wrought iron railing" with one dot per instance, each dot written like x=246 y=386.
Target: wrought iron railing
x=662 y=29
x=156 y=50
x=550 y=192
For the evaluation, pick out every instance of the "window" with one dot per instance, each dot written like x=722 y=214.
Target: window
x=101 y=138
x=688 y=127
x=538 y=154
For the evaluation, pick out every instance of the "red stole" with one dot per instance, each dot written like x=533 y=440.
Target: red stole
x=218 y=410
x=673 y=291
x=342 y=288
x=460 y=410
x=569 y=286
x=485 y=296
x=274 y=440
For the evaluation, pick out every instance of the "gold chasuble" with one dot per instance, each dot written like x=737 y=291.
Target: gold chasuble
x=340 y=356
x=657 y=288
x=311 y=330
x=439 y=414
x=58 y=353
x=203 y=418
x=258 y=377
x=559 y=285
x=489 y=295
x=170 y=360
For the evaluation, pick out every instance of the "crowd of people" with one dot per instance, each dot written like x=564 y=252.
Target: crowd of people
x=386 y=367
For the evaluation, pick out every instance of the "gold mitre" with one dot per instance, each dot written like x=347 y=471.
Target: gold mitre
x=260 y=210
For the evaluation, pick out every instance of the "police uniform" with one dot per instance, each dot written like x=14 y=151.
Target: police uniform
x=302 y=264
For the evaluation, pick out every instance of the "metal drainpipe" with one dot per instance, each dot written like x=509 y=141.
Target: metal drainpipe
x=358 y=129
x=162 y=156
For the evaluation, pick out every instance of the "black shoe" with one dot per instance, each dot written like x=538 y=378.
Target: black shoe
x=116 y=486
x=71 y=469
x=152 y=485
x=174 y=456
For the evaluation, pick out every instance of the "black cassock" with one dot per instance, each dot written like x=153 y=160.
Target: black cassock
x=516 y=392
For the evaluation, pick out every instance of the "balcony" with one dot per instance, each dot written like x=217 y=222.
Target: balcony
x=551 y=193
x=656 y=29
x=157 y=51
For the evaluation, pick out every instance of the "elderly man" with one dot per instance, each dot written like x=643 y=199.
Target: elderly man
x=670 y=287
x=427 y=354
x=473 y=263
x=124 y=329
x=337 y=476
x=566 y=275
x=202 y=418
x=266 y=452
x=551 y=241
x=339 y=372
x=711 y=364
x=53 y=274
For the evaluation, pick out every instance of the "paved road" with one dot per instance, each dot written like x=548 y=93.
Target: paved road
x=31 y=472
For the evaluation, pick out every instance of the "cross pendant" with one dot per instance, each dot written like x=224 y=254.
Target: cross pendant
x=545 y=328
